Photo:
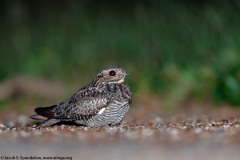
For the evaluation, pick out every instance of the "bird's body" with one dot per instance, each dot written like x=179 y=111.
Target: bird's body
x=100 y=103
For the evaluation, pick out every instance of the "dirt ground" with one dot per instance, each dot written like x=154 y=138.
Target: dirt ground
x=191 y=132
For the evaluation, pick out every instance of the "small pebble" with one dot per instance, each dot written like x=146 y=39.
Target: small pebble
x=197 y=130
x=9 y=124
x=147 y=132
x=158 y=120
x=22 y=120
x=24 y=134
x=2 y=127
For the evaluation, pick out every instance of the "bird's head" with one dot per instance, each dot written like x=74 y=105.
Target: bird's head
x=111 y=74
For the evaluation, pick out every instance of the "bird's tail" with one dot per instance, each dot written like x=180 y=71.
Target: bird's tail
x=46 y=111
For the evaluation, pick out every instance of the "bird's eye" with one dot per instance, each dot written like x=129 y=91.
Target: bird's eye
x=112 y=73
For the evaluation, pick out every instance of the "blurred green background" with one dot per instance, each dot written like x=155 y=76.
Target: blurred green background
x=182 y=49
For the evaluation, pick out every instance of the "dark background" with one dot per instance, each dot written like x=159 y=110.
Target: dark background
x=175 y=50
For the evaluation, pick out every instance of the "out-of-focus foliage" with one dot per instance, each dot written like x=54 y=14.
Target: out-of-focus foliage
x=228 y=86
x=176 y=48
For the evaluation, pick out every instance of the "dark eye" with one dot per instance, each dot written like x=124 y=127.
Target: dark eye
x=112 y=73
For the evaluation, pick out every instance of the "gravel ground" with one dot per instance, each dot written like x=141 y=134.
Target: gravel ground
x=177 y=136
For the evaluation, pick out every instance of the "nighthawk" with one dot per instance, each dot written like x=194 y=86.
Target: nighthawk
x=103 y=102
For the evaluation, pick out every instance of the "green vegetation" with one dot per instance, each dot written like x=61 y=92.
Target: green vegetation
x=175 y=48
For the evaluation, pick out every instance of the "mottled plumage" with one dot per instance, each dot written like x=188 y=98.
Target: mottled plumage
x=100 y=103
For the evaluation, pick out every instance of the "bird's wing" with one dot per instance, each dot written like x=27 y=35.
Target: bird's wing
x=83 y=103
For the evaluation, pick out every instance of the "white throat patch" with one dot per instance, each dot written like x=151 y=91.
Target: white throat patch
x=121 y=80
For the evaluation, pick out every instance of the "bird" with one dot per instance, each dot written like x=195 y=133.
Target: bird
x=103 y=102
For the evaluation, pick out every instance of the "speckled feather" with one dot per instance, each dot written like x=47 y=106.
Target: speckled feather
x=102 y=102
